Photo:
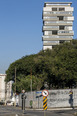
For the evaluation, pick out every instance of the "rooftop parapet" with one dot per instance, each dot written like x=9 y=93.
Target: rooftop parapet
x=57 y=3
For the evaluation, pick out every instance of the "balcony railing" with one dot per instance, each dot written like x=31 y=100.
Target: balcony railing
x=44 y=18
x=66 y=32
x=58 y=13
x=57 y=22
x=69 y=18
x=55 y=36
x=66 y=37
x=50 y=27
x=50 y=41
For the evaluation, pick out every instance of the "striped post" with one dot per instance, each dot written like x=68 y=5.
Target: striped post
x=44 y=103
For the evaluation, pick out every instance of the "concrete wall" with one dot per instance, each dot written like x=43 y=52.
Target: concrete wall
x=56 y=98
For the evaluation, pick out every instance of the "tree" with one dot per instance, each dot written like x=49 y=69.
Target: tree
x=56 y=67
x=25 y=83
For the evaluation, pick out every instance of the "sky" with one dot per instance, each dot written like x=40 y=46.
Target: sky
x=21 y=29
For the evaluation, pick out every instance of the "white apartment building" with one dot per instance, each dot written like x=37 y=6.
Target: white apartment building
x=57 y=23
x=2 y=86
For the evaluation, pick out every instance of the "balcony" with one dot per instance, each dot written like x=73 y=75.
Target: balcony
x=56 y=37
x=50 y=18
x=48 y=43
x=58 y=23
x=66 y=33
x=69 y=18
x=57 y=13
x=50 y=28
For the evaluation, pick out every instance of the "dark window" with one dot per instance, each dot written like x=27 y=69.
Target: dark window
x=54 y=32
x=54 y=9
x=60 y=17
x=61 y=41
x=61 y=27
x=61 y=9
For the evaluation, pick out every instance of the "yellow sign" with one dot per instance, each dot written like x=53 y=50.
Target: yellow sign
x=45 y=103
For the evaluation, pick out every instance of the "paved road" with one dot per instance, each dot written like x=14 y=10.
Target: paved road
x=15 y=111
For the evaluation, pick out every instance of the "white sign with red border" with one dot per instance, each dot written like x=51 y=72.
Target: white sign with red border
x=45 y=93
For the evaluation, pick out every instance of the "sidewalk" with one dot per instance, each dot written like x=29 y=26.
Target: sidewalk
x=51 y=109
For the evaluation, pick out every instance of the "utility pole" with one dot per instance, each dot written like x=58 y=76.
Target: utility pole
x=31 y=80
x=15 y=85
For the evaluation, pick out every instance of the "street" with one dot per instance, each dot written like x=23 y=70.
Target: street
x=16 y=111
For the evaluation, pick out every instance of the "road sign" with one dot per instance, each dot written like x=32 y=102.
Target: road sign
x=45 y=103
x=45 y=93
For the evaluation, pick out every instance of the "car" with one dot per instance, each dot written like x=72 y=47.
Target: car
x=2 y=102
x=10 y=103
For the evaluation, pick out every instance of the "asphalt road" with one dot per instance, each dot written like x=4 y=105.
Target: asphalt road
x=15 y=111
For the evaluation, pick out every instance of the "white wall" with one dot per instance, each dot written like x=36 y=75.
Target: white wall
x=69 y=9
x=56 y=98
x=2 y=86
x=70 y=18
x=47 y=9
x=47 y=47
x=68 y=27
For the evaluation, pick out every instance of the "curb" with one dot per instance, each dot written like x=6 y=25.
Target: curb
x=53 y=109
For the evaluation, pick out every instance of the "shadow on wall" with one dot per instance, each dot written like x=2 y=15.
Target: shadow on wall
x=71 y=99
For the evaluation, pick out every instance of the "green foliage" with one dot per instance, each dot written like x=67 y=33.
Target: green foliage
x=24 y=83
x=57 y=67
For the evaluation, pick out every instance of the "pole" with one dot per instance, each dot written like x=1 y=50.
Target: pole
x=31 y=80
x=31 y=85
x=44 y=112
x=23 y=105
x=44 y=104
x=15 y=85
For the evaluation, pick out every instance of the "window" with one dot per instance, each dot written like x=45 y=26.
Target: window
x=61 y=41
x=61 y=9
x=54 y=9
x=61 y=17
x=64 y=31
x=61 y=27
x=54 y=32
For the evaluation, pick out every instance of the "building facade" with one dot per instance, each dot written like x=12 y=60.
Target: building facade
x=57 y=23
x=2 y=86
x=5 y=88
x=8 y=90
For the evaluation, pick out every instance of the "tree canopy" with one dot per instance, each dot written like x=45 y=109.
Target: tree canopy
x=56 y=67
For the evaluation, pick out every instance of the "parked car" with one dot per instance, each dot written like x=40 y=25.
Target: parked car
x=2 y=102
x=10 y=103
